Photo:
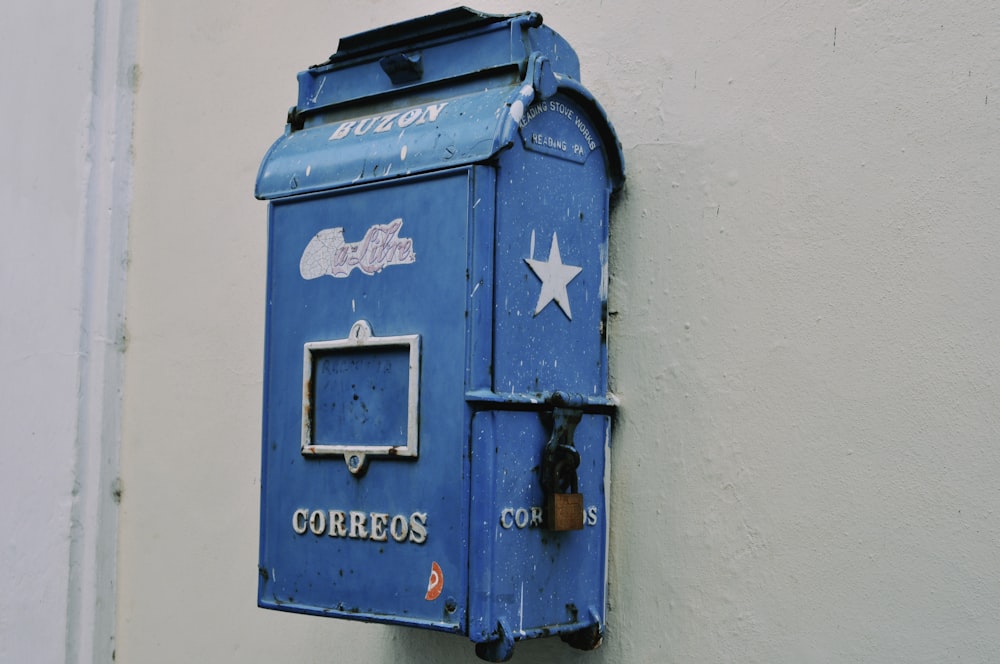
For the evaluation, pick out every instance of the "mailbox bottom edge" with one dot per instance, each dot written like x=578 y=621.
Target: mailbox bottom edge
x=360 y=615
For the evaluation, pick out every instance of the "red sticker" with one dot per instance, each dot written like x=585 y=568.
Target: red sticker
x=435 y=584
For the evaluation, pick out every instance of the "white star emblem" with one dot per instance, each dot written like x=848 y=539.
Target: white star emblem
x=554 y=275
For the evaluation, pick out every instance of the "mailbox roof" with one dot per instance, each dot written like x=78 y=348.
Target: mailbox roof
x=435 y=92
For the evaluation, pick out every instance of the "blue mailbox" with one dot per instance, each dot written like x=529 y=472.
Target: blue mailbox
x=436 y=407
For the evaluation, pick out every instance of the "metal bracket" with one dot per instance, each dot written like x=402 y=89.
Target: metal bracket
x=590 y=637
x=500 y=649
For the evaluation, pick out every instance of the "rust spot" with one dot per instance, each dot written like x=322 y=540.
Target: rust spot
x=573 y=612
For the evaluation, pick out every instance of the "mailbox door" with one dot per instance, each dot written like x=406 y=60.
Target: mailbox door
x=359 y=280
x=530 y=580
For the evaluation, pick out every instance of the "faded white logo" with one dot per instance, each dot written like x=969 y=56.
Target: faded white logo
x=328 y=253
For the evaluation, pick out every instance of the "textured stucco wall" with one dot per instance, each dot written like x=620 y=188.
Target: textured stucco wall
x=804 y=325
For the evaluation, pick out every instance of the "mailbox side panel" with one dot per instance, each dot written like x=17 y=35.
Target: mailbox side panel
x=389 y=544
x=552 y=256
x=550 y=308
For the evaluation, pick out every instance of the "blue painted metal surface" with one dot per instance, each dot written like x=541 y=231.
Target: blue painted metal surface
x=437 y=289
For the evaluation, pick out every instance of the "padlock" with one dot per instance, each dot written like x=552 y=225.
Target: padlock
x=564 y=511
x=563 y=502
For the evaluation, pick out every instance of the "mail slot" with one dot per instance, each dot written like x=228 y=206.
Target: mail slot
x=436 y=417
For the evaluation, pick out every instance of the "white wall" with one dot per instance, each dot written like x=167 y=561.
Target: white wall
x=64 y=189
x=805 y=339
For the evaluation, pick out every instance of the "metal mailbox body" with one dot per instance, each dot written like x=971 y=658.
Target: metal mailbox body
x=436 y=308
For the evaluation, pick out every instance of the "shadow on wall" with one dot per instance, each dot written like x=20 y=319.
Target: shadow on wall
x=406 y=645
